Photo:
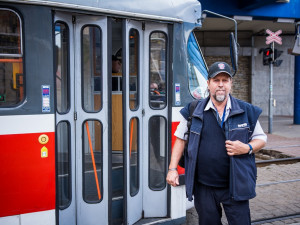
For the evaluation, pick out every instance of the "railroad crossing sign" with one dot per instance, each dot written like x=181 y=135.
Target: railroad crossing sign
x=274 y=37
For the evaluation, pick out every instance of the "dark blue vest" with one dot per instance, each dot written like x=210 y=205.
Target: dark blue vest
x=213 y=162
x=239 y=126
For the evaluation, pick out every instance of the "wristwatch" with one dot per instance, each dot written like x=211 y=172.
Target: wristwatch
x=250 y=150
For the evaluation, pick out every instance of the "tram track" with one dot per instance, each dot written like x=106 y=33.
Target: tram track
x=277 y=193
x=275 y=219
x=262 y=163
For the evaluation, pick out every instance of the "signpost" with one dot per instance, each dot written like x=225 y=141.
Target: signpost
x=273 y=37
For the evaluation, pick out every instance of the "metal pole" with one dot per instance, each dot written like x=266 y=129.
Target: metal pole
x=271 y=94
x=297 y=81
x=217 y=14
x=297 y=91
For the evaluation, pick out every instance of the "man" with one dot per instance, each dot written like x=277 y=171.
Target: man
x=219 y=162
x=116 y=64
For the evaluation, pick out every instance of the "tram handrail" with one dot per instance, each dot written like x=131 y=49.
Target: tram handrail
x=131 y=134
x=93 y=159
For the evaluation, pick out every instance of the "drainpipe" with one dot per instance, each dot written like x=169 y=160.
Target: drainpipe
x=297 y=84
x=297 y=91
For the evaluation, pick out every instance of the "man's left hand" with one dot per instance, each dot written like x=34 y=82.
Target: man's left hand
x=236 y=148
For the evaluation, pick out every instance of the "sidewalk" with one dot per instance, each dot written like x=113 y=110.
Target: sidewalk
x=285 y=136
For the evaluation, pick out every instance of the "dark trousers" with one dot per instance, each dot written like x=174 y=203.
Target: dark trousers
x=208 y=202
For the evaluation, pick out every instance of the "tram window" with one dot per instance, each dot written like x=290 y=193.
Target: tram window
x=133 y=68
x=63 y=164
x=92 y=167
x=116 y=84
x=197 y=69
x=11 y=59
x=158 y=70
x=134 y=156
x=157 y=152
x=91 y=59
x=62 y=67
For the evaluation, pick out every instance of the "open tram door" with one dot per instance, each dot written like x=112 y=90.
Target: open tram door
x=82 y=130
x=111 y=128
x=146 y=52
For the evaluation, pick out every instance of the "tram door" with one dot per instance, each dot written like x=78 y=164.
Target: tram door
x=146 y=50
x=81 y=119
x=155 y=71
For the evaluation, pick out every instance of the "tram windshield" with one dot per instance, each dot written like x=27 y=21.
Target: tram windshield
x=197 y=69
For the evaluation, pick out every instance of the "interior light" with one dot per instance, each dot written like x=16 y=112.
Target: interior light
x=285 y=20
x=246 y=18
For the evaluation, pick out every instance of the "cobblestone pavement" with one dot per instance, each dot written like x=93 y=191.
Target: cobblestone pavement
x=278 y=194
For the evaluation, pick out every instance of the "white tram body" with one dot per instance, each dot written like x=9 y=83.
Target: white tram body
x=81 y=143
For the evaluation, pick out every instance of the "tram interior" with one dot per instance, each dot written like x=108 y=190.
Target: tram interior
x=117 y=119
x=117 y=124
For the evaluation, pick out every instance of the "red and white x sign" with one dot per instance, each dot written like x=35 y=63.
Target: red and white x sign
x=274 y=37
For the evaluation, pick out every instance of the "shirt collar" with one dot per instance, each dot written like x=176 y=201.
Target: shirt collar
x=210 y=105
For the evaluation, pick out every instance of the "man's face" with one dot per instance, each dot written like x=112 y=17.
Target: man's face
x=220 y=86
x=116 y=66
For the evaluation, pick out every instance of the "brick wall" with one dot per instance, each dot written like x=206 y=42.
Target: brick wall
x=241 y=81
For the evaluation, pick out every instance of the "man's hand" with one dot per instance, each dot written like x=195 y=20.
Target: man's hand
x=236 y=148
x=173 y=178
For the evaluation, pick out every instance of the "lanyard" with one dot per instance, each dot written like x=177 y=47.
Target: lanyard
x=223 y=117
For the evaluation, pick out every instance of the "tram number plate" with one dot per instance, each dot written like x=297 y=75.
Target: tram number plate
x=45 y=98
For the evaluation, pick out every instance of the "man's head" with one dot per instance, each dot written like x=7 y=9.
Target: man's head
x=116 y=64
x=219 y=81
x=153 y=86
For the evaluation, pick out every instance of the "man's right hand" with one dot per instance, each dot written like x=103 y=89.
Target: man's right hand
x=173 y=178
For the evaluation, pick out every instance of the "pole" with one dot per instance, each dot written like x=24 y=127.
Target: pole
x=297 y=81
x=297 y=91
x=271 y=94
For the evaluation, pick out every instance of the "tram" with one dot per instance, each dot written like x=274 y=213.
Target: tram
x=82 y=143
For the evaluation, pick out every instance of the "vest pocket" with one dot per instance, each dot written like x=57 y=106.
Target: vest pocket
x=239 y=134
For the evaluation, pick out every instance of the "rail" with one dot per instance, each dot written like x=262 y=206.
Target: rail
x=277 y=192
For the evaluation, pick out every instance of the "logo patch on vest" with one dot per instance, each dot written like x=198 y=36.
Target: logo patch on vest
x=242 y=125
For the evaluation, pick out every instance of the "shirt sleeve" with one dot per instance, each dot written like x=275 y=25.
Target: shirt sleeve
x=181 y=128
x=258 y=133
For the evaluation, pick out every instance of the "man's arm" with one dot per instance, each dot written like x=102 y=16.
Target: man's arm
x=239 y=148
x=177 y=151
x=258 y=141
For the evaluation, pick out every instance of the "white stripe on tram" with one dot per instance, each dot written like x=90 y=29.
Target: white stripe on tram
x=176 y=114
x=23 y=124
